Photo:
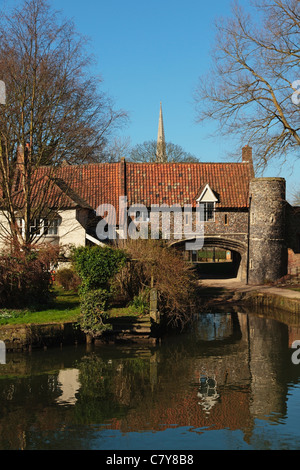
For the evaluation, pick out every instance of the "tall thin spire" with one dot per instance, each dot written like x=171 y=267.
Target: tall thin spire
x=161 y=155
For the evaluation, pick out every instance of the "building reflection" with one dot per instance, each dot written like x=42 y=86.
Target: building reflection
x=237 y=370
x=230 y=370
x=68 y=381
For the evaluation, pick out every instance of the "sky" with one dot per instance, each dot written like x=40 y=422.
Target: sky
x=152 y=51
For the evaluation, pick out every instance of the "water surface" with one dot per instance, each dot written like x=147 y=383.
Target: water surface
x=229 y=383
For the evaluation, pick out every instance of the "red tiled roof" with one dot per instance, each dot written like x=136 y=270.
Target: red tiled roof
x=180 y=183
x=146 y=183
x=95 y=183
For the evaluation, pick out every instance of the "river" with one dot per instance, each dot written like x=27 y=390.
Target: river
x=227 y=383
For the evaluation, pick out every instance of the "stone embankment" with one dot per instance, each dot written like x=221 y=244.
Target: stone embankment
x=18 y=338
x=233 y=291
x=21 y=338
x=134 y=331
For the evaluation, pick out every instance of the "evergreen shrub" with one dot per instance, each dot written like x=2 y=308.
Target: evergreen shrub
x=96 y=267
x=94 y=311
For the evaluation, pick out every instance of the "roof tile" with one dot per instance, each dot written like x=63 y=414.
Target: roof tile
x=149 y=183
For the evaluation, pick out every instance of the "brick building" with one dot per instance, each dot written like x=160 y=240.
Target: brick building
x=246 y=216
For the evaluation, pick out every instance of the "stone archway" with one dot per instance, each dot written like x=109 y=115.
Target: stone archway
x=237 y=248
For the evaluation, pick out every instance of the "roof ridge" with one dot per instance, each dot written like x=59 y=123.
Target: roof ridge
x=186 y=163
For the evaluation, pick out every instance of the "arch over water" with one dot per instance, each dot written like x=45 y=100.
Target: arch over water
x=236 y=247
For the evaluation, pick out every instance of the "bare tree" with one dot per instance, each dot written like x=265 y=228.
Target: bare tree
x=55 y=110
x=296 y=198
x=118 y=148
x=146 y=152
x=252 y=90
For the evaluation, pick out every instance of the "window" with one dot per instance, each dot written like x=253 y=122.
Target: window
x=209 y=211
x=143 y=216
x=35 y=227
x=226 y=219
x=51 y=227
x=207 y=201
x=20 y=224
x=186 y=219
x=40 y=226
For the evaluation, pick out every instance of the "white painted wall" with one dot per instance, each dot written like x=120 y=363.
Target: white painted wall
x=70 y=230
x=4 y=231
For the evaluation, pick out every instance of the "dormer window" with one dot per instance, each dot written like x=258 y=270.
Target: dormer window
x=208 y=200
x=209 y=211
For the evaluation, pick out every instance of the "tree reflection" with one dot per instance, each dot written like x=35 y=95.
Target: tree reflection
x=229 y=370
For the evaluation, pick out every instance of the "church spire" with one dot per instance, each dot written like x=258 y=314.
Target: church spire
x=161 y=155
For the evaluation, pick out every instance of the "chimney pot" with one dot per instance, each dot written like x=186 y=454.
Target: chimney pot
x=247 y=154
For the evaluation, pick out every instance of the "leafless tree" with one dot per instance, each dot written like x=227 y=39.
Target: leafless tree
x=296 y=198
x=146 y=152
x=118 y=148
x=55 y=109
x=252 y=90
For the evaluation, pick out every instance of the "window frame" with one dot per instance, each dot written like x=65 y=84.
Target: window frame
x=206 y=211
x=208 y=197
x=41 y=226
x=53 y=224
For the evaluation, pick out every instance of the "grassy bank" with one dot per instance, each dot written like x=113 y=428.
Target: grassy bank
x=64 y=308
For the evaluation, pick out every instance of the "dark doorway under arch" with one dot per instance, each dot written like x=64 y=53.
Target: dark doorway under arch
x=216 y=268
x=220 y=269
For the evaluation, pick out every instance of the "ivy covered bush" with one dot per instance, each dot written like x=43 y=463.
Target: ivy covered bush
x=96 y=266
x=94 y=311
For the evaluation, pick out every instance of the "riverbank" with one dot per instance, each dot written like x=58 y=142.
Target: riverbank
x=232 y=291
x=26 y=337
x=57 y=324
x=215 y=292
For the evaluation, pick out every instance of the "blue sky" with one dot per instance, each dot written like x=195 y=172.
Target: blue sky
x=152 y=51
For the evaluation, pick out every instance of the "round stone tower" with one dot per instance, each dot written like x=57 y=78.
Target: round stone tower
x=267 y=246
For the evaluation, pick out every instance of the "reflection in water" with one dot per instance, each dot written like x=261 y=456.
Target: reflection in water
x=208 y=392
x=68 y=380
x=232 y=373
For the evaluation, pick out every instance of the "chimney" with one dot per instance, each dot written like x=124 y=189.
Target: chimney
x=161 y=156
x=247 y=154
x=20 y=157
x=247 y=157
x=20 y=168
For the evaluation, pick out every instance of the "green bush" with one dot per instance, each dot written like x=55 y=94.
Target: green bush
x=96 y=266
x=94 y=311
